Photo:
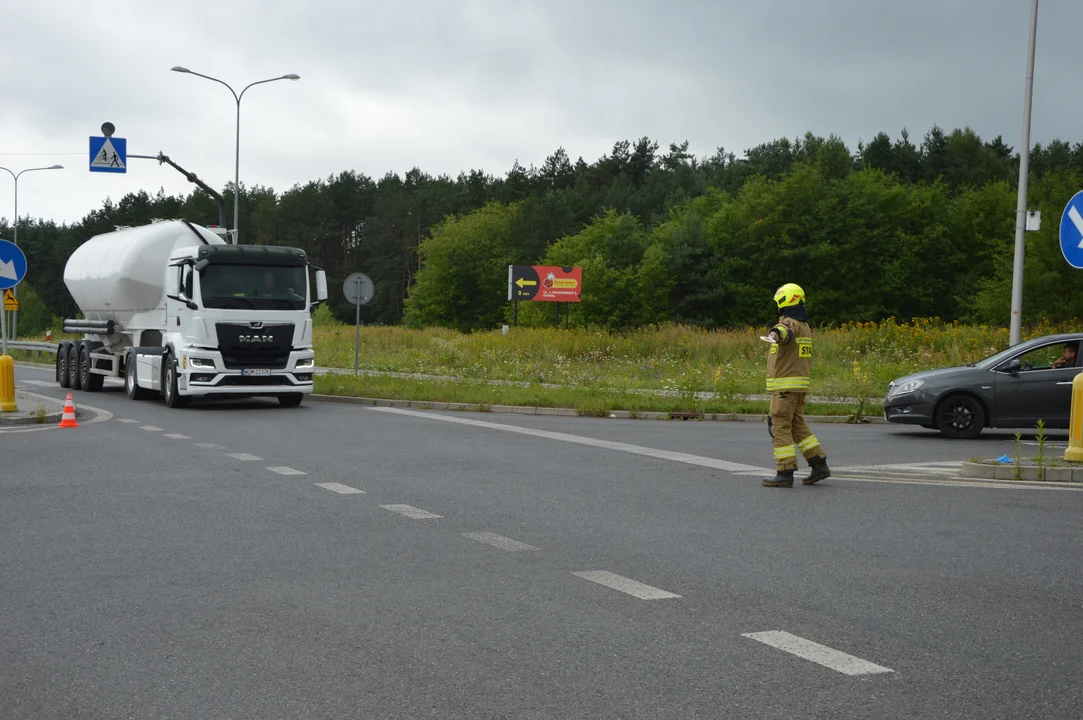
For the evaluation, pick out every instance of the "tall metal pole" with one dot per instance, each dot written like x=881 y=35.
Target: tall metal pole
x=237 y=143
x=1015 y=334
x=237 y=178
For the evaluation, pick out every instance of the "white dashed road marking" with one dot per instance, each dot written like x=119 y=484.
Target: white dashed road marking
x=411 y=512
x=243 y=456
x=281 y=470
x=210 y=446
x=700 y=460
x=821 y=654
x=150 y=428
x=178 y=436
x=625 y=585
x=499 y=541
x=128 y=421
x=340 y=488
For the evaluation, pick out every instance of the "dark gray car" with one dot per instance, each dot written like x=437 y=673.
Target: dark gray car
x=1015 y=388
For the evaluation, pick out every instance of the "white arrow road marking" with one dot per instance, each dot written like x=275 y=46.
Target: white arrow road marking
x=1077 y=220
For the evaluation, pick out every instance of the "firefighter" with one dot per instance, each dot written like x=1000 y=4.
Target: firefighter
x=788 y=370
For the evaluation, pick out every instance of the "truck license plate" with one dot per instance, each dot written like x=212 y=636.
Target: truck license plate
x=256 y=371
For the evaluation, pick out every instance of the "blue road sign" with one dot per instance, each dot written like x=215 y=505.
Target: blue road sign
x=108 y=154
x=12 y=265
x=1071 y=231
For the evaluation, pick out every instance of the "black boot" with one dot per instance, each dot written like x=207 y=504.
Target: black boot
x=819 y=472
x=784 y=478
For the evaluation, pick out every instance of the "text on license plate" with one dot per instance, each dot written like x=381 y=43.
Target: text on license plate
x=256 y=371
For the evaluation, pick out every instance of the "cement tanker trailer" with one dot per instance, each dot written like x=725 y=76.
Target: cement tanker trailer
x=177 y=312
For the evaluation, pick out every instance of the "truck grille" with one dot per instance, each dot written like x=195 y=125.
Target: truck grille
x=271 y=350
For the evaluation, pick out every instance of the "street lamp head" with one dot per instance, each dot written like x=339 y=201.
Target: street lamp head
x=178 y=68
x=291 y=76
x=55 y=167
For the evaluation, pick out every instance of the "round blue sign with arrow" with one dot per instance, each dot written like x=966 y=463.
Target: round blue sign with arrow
x=12 y=265
x=1071 y=231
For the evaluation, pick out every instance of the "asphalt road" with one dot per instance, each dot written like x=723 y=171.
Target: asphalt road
x=218 y=562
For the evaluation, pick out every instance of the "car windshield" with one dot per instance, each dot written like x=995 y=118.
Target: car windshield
x=255 y=287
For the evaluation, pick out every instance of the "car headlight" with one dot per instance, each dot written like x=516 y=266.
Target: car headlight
x=907 y=387
x=201 y=363
x=305 y=364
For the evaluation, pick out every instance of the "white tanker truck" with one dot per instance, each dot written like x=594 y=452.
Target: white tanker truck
x=176 y=311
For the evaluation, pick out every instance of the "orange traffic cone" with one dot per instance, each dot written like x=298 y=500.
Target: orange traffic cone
x=68 y=420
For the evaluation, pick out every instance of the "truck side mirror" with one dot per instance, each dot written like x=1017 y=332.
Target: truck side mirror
x=321 y=286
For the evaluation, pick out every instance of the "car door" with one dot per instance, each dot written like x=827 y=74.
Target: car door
x=1027 y=388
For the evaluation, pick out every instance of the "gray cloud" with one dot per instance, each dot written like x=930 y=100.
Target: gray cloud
x=451 y=86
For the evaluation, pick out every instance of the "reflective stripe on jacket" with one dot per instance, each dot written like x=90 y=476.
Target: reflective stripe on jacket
x=789 y=364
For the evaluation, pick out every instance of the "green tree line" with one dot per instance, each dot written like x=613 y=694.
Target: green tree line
x=893 y=228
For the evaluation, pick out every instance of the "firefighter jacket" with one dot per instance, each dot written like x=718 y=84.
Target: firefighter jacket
x=790 y=361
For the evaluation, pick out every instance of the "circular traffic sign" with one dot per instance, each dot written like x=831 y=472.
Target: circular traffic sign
x=12 y=265
x=1071 y=231
x=358 y=288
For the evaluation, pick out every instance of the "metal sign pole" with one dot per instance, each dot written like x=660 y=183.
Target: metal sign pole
x=357 y=328
x=4 y=329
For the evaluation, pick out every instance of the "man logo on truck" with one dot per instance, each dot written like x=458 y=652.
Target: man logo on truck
x=255 y=338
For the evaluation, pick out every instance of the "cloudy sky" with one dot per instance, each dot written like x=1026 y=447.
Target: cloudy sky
x=449 y=86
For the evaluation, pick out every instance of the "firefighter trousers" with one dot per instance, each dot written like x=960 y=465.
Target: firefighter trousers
x=789 y=431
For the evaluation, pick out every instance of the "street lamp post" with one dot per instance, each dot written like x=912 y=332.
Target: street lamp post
x=237 y=155
x=15 y=290
x=1016 y=331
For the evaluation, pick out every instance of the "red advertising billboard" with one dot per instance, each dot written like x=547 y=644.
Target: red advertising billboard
x=544 y=283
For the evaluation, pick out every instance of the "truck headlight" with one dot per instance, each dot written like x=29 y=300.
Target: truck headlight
x=305 y=364
x=201 y=362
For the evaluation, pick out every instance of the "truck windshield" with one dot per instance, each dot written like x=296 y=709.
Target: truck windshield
x=256 y=287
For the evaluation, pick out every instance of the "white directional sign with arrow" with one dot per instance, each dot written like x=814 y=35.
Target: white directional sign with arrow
x=1071 y=231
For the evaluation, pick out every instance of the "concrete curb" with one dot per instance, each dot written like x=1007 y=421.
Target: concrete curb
x=1030 y=473
x=566 y=412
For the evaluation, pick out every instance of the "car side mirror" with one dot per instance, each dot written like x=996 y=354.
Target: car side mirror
x=1013 y=367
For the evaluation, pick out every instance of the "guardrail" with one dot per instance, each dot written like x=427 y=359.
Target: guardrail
x=33 y=346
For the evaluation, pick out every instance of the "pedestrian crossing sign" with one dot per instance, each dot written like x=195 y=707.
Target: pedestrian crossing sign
x=11 y=303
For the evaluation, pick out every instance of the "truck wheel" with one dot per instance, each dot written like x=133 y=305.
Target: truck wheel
x=62 y=365
x=169 y=384
x=131 y=386
x=291 y=400
x=73 y=366
x=91 y=382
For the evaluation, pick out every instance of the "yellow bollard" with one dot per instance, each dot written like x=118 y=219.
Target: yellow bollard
x=7 y=384
x=1074 y=452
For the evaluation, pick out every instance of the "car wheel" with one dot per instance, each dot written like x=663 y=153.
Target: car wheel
x=960 y=417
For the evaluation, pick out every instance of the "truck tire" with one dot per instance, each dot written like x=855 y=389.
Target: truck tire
x=169 y=383
x=131 y=387
x=62 y=365
x=91 y=382
x=73 y=366
x=291 y=400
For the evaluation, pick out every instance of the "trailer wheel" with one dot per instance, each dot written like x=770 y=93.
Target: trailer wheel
x=62 y=365
x=91 y=382
x=169 y=384
x=73 y=366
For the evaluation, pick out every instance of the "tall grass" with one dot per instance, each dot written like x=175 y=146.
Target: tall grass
x=850 y=360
